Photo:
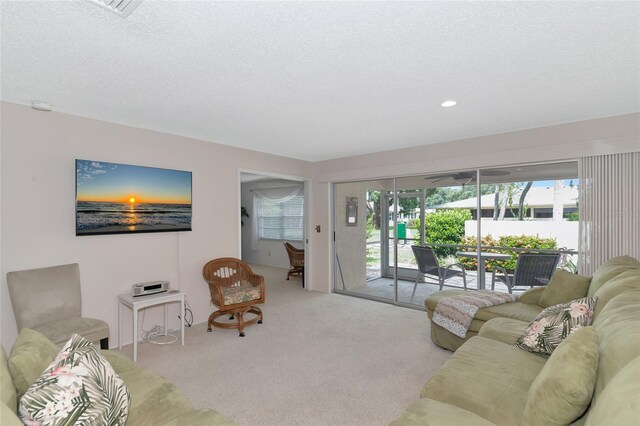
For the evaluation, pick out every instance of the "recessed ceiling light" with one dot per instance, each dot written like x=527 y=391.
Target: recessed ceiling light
x=448 y=104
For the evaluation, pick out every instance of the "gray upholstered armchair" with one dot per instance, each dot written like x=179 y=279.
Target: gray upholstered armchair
x=48 y=300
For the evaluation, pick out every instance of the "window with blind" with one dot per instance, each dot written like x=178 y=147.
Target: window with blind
x=280 y=220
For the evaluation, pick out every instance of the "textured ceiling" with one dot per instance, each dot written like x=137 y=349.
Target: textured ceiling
x=315 y=80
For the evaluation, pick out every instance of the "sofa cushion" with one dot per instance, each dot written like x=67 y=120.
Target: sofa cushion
x=154 y=400
x=562 y=391
x=531 y=296
x=516 y=310
x=31 y=354
x=78 y=387
x=555 y=323
x=7 y=390
x=118 y=361
x=488 y=378
x=610 y=269
x=432 y=300
x=59 y=331
x=428 y=412
x=628 y=280
x=564 y=287
x=505 y=330
x=619 y=403
x=618 y=326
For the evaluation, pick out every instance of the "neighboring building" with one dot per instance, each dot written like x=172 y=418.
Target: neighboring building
x=538 y=202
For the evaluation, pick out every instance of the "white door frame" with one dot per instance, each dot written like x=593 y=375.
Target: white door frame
x=306 y=232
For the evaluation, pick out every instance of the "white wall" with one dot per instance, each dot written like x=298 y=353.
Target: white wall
x=37 y=182
x=560 y=142
x=38 y=217
x=268 y=252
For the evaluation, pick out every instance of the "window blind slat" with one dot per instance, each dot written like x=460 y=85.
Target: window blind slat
x=281 y=220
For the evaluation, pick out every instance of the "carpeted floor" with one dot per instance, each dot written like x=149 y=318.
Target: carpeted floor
x=318 y=359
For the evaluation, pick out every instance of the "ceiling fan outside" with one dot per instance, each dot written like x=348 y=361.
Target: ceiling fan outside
x=465 y=178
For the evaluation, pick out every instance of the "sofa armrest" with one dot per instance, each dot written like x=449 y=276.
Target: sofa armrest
x=531 y=296
x=118 y=361
x=429 y=412
x=8 y=417
x=505 y=330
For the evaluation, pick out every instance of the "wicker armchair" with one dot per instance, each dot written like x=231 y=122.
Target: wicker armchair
x=234 y=289
x=296 y=260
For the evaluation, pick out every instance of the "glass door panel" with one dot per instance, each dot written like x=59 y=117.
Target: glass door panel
x=533 y=209
x=440 y=226
x=360 y=248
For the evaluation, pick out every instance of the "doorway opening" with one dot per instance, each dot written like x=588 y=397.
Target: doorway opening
x=273 y=212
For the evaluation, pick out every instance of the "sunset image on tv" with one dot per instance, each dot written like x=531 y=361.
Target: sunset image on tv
x=119 y=198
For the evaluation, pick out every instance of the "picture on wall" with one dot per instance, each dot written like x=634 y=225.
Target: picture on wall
x=116 y=198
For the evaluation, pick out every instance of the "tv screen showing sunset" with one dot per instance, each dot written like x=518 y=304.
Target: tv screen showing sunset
x=119 y=198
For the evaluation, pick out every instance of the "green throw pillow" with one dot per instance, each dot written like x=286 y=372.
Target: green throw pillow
x=564 y=287
x=555 y=323
x=30 y=355
x=562 y=390
x=78 y=387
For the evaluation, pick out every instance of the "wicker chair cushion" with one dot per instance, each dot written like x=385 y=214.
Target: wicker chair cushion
x=239 y=294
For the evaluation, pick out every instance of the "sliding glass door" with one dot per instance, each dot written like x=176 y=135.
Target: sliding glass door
x=466 y=225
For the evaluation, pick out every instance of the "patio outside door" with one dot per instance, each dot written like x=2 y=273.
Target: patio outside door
x=360 y=243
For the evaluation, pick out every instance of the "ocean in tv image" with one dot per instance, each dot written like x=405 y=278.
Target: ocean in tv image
x=119 y=198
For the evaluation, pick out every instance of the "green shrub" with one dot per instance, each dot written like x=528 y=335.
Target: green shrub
x=370 y=227
x=413 y=223
x=445 y=227
x=522 y=241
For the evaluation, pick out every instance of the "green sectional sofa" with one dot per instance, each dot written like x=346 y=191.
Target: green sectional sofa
x=489 y=381
x=154 y=401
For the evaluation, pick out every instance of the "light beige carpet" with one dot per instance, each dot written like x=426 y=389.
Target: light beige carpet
x=318 y=359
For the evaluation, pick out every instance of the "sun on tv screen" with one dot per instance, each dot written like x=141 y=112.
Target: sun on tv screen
x=116 y=198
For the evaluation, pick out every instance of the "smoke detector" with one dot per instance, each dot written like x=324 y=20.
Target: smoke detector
x=121 y=7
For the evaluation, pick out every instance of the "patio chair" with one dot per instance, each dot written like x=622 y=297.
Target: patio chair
x=428 y=265
x=532 y=270
x=235 y=290
x=296 y=260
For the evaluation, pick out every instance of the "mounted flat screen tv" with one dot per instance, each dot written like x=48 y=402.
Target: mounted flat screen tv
x=116 y=198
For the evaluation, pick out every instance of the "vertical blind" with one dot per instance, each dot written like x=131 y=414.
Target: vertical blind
x=278 y=214
x=609 y=208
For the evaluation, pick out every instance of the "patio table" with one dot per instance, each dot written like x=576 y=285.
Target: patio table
x=481 y=263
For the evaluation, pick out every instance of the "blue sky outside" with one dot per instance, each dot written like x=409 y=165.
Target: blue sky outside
x=111 y=182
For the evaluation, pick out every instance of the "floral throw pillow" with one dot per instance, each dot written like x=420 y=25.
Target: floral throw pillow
x=78 y=387
x=555 y=323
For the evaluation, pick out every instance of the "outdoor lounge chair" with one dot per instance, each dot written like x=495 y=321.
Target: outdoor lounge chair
x=532 y=270
x=428 y=265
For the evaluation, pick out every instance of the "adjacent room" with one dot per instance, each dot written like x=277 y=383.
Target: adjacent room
x=319 y=213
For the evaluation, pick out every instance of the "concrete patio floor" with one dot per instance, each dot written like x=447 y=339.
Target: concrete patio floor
x=383 y=287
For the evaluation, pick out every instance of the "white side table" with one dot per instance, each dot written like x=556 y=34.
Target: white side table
x=142 y=302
